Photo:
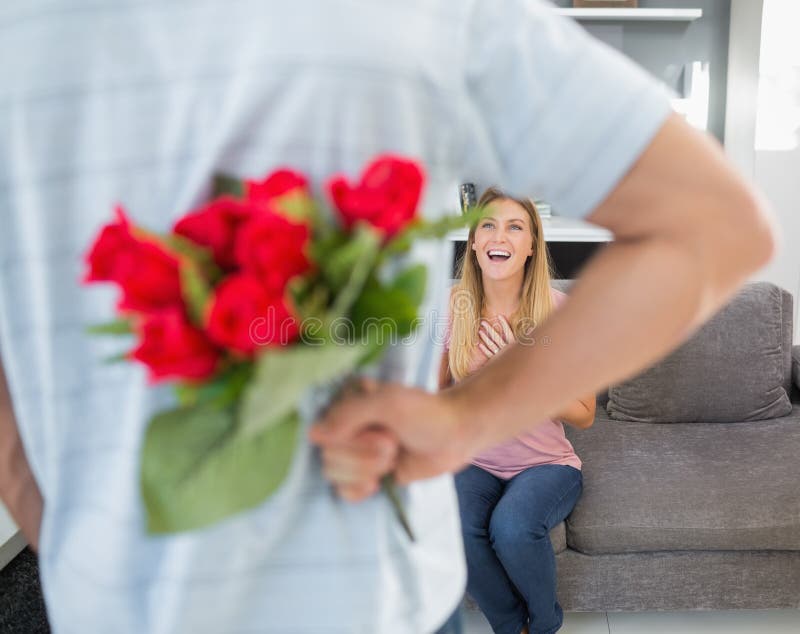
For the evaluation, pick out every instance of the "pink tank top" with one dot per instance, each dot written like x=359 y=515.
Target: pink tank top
x=545 y=443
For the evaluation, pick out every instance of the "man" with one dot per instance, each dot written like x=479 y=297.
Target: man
x=142 y=103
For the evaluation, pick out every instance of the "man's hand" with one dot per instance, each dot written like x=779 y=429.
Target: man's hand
x=355 y=468
x=432 y=438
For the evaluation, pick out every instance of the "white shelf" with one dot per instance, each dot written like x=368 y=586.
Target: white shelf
x=674 y=15
x=558 y=229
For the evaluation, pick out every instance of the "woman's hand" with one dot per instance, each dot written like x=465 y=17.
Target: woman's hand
x=495 y=341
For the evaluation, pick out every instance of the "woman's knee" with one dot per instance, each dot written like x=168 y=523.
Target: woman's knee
x=508 y=531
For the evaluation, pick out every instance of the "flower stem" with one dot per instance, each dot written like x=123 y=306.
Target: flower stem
x=390 y=489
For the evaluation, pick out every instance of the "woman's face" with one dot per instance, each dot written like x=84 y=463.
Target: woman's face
x=503 y=240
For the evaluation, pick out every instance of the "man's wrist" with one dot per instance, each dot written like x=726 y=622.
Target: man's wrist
x=467 y=427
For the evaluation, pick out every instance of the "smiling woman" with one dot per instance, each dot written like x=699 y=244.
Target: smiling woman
x=506 y=250
x=512 y=495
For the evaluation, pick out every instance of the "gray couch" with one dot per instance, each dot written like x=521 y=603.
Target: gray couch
x=691 y=470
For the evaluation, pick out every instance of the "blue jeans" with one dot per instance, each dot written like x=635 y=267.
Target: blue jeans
x=511 y=568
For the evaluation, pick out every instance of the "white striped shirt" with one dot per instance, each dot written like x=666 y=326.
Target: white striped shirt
x=141 y=102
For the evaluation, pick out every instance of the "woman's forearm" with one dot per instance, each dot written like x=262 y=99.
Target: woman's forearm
x=578 y=414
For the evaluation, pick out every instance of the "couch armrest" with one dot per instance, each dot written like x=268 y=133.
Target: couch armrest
x=796 y=366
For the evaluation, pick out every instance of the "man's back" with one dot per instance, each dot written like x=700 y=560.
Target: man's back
x=141 y=103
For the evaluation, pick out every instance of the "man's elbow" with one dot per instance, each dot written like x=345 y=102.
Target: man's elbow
x=587 y=420
x=749 y=232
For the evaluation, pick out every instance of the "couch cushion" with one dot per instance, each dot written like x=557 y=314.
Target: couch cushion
x=701 y=486
x=737 y=367
x=558 y=538
x=796 y=366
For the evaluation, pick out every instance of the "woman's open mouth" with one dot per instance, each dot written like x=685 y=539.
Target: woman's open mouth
x=498 y=255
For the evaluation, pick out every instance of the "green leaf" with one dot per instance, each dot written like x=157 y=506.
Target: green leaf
x=189 y=249
x=361 y=256
x=116 y=358
x=282 y=376
x=116 y=327
x=412 y=282
x=314 y=303
x=196 y=290
x=339 y=254
x=225 y=185
x=298 y=206
x=388 y=311
x=310 y=296
x=320 y=249
x=196 y=468
x=374 y=346
x=223 y=391
x=187 y=395
x=198 y=272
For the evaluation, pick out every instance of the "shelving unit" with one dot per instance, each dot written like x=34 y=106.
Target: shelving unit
x=652 y=15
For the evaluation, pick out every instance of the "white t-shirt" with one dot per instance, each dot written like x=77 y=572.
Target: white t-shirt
x=140 y=102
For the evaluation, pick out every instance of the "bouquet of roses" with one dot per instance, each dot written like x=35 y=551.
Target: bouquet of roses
x=241 y=305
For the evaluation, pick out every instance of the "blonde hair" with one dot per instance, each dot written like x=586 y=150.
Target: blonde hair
x=467 y=298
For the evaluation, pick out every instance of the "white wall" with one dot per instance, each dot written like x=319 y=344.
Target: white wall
x=759 y=128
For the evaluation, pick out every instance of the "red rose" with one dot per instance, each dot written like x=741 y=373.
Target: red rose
x=151 y=280
x=215 y=226
x=245 y=315
x=276 y=184
x=108 y=254
x=172 y=348
x=147 y=273
x=273 y=248
x=386 y=196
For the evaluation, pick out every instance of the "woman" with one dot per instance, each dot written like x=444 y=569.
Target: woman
x=512 y=495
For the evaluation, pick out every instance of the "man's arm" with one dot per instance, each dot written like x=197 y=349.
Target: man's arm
x=18 y=489
x=688 y=232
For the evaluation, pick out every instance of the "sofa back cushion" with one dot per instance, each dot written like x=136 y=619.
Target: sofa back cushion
x=564 y=285
x=737 y=367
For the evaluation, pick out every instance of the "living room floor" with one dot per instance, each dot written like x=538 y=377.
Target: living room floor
x=701 y=622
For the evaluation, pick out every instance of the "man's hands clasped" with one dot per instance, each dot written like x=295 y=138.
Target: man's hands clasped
x=389 y=428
